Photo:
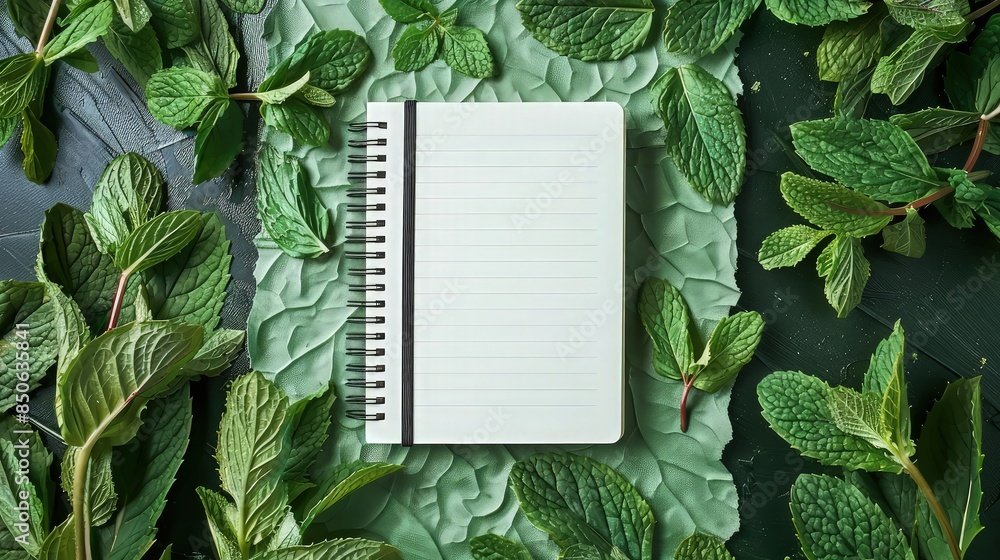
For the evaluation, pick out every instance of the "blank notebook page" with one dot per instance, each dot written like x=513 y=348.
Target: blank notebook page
x=518 y=272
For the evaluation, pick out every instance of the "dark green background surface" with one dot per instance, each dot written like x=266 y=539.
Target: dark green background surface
x=949 y=300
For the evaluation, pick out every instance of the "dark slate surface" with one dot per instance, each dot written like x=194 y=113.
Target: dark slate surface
x=948 y=300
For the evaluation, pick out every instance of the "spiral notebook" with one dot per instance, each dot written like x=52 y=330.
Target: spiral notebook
x=487 y=251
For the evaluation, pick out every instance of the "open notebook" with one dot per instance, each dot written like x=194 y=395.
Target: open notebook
x=491 y=273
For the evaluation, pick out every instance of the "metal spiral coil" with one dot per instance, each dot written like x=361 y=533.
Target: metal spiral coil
x=365 y=357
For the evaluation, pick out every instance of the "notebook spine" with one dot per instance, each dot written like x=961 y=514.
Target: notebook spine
x=366 y=235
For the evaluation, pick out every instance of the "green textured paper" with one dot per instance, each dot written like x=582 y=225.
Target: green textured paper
x=447 y=495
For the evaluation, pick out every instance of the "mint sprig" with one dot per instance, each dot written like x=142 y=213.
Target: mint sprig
x=870 y=430
x=197 y=94
x=433 y=35
x=668 y=323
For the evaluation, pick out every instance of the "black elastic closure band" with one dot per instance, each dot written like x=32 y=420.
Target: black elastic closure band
x=409 y=233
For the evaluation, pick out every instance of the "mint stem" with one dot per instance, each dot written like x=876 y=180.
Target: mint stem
x=982 y=11
x=50 y=23
x=119 y=300
x=932 y=500
x=244 y=96
x=688 y=382
x=970 y=164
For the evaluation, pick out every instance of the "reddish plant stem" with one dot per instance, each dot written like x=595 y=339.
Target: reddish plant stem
x=970 y=164
x=688 y=382
x=116 y=304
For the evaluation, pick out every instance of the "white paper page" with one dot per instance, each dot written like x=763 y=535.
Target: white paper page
x=518 y=274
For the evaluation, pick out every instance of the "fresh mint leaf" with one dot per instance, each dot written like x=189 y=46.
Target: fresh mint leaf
x=700 y=27
x=334 y=60
x=667 y=321
x=495 y=547
x=908 y=237
x=797 y=406
x=215 y=356
x=882 y=365
x=7 y=127
x=28 y=17
x=338 y=548
x=849 y=271
x=590 y=30
x=731 y=346
x=22 y=80
x=316 y=96
x=899 y=73
x=584 y=552
x=960 y=81
x=82 y=60
x=787 y=247
x=894 y=411
x=857 y=414
x=27 y=304
x=990 y=211
x=814 y=13
x=134 y=13
x=278 y=96
x=215 y=50
x=417 y=47
x=967 y=193
x=158 y=240
x=191 y=286
x=937 y=14
x=873 y=156
x=175 y=21
x=705 y=135
x=39 y=147
x=936 y=130
x=219 y=140
x=178 y=97
x=309 y=421
x=958 y=216
x=144 y=471
x=409 y=11
x=32 y=480
x=333 y=485
x=465 y=49
x=70 y=258
x=298 y=120
x=221 y=515
x=252 y=451
x=950 y=456
x=101 y=499
x=138 y=51
x=833 y=207
x=848 y=48
x=84 y=29
x=853 y=94
x=245 y=6
x=835 y=520
x=128 y=194
x=292 y=214
x=108 y=384
x=577 y=500
x=700 y=546
x=60 y=544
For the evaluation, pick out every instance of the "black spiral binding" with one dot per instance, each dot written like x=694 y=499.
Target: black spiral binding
x=366 y=227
